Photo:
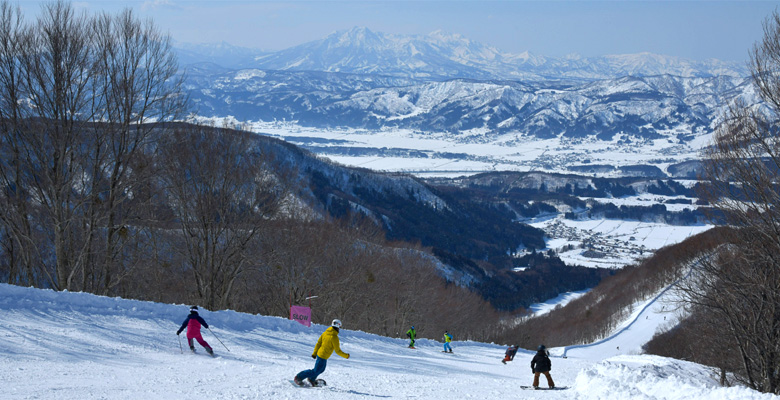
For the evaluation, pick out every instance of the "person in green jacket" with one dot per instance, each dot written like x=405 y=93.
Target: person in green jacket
x=411 y=333
x=326 y=345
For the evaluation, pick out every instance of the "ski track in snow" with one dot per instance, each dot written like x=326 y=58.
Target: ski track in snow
x=59 y=345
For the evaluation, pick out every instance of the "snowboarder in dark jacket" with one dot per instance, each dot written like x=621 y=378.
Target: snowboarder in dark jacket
x=510 y=353
x=541 y=365
x=193 y=323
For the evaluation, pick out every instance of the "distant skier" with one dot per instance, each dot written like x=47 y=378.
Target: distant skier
x=326 y=345
x=193 y=323
x=541 y=365
x=411 y=333
x=447 y=340
x=510 y=353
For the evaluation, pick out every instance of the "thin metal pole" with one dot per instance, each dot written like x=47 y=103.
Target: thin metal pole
x=180 y=348
x=212 y=332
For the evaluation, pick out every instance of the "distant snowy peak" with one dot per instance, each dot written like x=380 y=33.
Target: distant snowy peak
x=527 y=58
x=357 y=37
x=646 y=64
x=440 y=55
x=462 y=48
x=361 y=50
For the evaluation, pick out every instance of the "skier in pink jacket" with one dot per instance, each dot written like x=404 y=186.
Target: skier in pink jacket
x=193 y=323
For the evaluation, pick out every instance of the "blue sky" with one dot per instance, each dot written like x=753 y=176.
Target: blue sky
x=690 y=29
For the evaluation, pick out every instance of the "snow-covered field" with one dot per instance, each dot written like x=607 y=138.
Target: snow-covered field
x=561 y=300
x=471 y=152
x=617 y=243
x=80 y=346
x=443 y=155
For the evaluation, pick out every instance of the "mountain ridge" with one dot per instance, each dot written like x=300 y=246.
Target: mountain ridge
x=440 y=55
x=647 y=107
x=444 y=82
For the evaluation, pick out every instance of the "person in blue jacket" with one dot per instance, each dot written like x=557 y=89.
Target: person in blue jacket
x=193 y=323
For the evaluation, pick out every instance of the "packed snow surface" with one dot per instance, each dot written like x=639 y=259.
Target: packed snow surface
x=561 y=300
x=58 y=345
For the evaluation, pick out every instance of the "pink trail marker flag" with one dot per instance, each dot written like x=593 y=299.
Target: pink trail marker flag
x=301 y=314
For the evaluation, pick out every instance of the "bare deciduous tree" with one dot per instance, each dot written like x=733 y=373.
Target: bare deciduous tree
x=56 y=61
x=15 y=210
x=137 y=90
x=738 y=285
x=222 y=192
x=80 y=97
x=741 y=282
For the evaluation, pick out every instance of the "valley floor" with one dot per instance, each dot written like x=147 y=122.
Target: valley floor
x=618 y=242
x=439 y=154
x=74 y=345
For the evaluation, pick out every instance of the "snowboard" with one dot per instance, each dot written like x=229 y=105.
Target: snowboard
x=544 y=388
x=306 y=384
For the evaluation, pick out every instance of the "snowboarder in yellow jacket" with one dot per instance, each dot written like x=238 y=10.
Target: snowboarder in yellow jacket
x=326 y=345
x=447 y=340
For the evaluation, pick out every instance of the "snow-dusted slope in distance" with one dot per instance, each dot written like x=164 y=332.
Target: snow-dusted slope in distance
x=80 y=346
x=646 y=107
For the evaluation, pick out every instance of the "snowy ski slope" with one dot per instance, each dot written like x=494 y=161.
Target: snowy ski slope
x=56 y=345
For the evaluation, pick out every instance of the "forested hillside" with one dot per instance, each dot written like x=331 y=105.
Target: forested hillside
x=102 y=192
x=597 y=313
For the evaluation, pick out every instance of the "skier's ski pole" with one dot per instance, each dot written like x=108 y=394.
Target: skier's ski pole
x=180 y=348
x=212 y=332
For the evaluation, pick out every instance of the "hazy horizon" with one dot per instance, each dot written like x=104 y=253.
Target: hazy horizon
x=698 y=30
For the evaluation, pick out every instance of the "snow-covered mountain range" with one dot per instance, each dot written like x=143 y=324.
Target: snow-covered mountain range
x=649 y=107
x=441 y=55
x=447 y=83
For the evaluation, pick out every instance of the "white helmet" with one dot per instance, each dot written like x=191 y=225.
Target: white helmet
x=336 y=324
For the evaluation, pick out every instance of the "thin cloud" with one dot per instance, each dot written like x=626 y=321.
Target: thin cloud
x=151 y=5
